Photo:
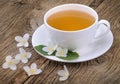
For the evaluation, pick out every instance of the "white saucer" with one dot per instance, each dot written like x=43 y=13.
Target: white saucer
x=96 y=49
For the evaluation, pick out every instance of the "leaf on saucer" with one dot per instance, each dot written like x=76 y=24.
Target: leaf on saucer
x=70 y=56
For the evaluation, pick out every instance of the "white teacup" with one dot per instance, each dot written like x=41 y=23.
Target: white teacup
x=79 y=38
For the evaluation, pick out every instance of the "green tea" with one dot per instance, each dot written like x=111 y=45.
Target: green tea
x=70 y=20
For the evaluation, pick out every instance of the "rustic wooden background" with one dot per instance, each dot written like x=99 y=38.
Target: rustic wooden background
x=18 y=17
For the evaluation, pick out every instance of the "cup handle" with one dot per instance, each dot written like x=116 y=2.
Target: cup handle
x=103 y=29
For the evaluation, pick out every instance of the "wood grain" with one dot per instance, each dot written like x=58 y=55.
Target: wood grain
x=18 y=17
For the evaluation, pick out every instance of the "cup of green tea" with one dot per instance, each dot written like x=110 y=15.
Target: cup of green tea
x=74 y=25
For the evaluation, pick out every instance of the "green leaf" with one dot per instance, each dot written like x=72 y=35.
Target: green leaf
x=70 y=56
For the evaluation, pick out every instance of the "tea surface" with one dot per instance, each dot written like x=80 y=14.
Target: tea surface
x=70 y=20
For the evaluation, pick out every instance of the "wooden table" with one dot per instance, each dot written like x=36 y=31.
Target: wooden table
x=18 y=17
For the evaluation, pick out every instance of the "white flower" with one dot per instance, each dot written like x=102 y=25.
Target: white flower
x=10 y=63
x=50 y=48
x=23 y=55
x=32 y=70
x=64 y=74
x=61 y=52
x=22 y=41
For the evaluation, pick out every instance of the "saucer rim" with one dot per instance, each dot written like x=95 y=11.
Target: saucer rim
x=69 y=61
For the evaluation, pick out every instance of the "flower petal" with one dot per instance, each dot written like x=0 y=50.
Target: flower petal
x=33 y=65
x=24 y=60
x=18 y=57
x=61 y=72
x=45 y=49
x=21 y=50
x=13 y=67
x=26 y=68
x=55 y=47
x=65 y=51
x=5 y=65
x=59 y=49
x=8 y=58
x=19 y=44
x=28 y=54
x=16 y=61
x=26 y=36
x=63 y=78
x=29 y=74
x=38 y=71
x=49 y=53
x=57 y=54
x=18 y=38
x=65 y=68
x=26 y=44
